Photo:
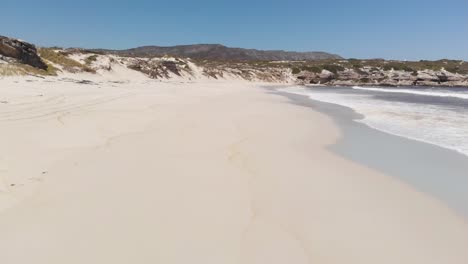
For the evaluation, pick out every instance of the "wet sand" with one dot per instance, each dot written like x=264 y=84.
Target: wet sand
x=437 y=171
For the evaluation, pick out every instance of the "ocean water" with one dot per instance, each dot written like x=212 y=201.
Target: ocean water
x=437 y=116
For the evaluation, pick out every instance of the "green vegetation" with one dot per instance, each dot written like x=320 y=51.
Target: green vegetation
x=318 y=68
x=60 y=58
x=368 y=71
x=89 y=60
x=355 y=63
x=333 y=68
x=376 y=65
x=15 y=69
x=460 y=67
x=314 y=69
x=51 y=58
x=397 y=66
x=296 y=71
x=11 y=70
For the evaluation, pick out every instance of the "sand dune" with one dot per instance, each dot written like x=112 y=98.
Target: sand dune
x=203 y=172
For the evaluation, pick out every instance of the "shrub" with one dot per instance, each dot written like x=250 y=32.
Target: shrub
x=397 y=66
x=296 y=71
x=314 y=69
x=333 y=68
x=89 y=60
x=20 y=69
x=62 y=60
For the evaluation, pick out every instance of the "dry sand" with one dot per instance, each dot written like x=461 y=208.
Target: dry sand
x=206 y=172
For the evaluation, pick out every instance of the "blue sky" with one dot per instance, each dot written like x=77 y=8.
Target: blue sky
x=394 y=29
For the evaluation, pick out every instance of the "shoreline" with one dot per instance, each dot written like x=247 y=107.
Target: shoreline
x=383 y=85
x=364 y=144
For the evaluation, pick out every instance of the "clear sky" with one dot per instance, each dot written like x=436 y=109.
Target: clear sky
x=394 y=29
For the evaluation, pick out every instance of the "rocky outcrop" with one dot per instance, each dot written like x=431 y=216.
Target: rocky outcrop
x=381 y=77
x=22 y=51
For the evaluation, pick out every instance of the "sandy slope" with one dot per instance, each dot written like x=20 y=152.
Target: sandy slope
x=207 y=172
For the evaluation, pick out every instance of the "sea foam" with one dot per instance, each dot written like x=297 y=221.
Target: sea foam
x=442 y=125
x=426 y=92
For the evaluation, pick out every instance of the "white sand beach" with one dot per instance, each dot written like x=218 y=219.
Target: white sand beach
x=197 y=172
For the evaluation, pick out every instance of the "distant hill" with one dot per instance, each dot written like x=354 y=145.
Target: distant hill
x=220 y=52
x=19 y=58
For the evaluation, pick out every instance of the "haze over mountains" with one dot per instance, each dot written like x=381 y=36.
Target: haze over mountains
x=220 y=52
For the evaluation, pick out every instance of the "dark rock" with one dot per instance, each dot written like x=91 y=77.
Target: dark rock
x=327 y=79
x=22 y=51
x=443 y=78
x=171 y=66
x=85 y=82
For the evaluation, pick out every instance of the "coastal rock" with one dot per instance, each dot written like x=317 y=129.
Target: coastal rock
x=349 y=74
x=326 y=76
x=452 y=77
x=381 y=77
x=22 y=51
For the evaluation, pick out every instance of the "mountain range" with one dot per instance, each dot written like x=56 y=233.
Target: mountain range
x=220 y=52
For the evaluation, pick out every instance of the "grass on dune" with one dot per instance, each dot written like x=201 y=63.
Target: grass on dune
x=18 y=69
x=51 y=58
x=61 y=59
x=89 y=60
